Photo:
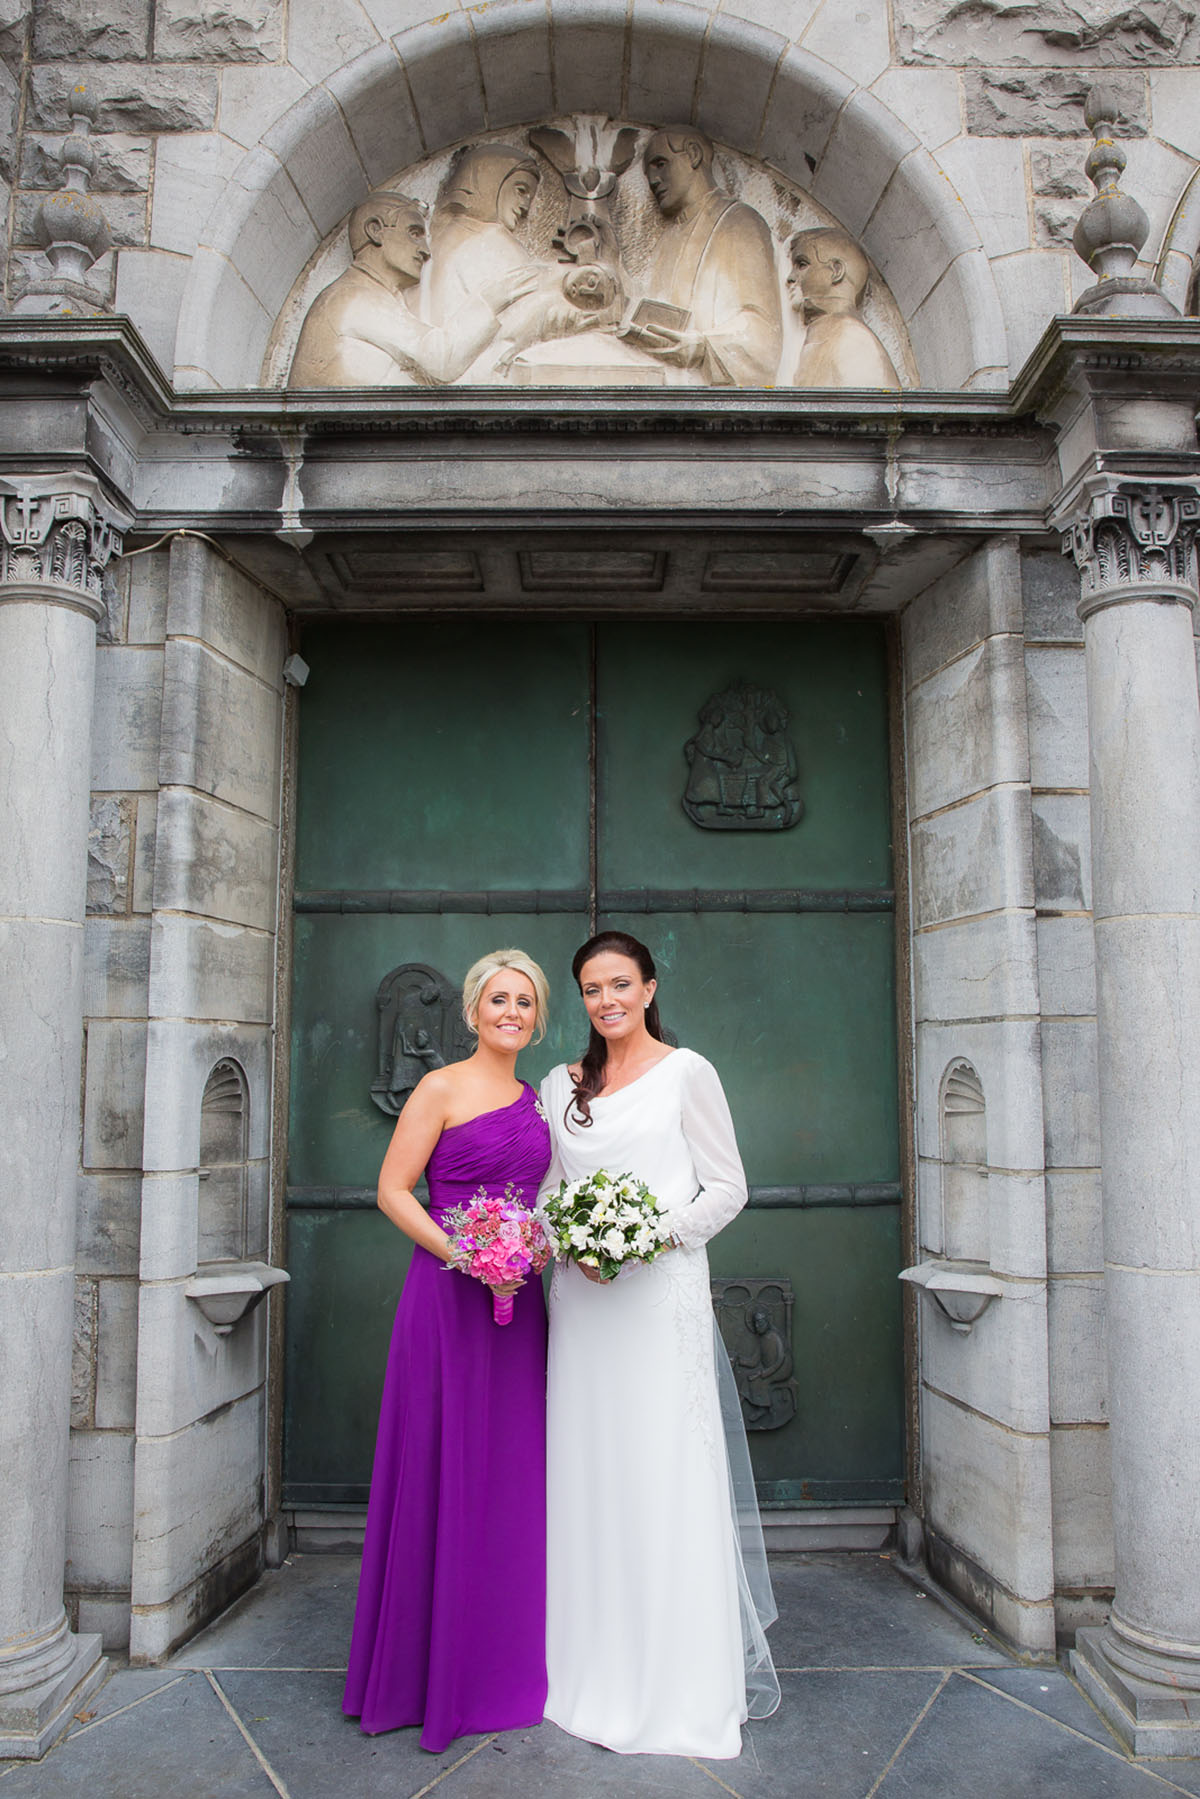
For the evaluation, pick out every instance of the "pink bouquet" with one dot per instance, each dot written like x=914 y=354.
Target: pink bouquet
x=497 y=1241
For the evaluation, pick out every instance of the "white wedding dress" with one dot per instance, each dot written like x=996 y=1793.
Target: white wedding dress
x=657 y=1593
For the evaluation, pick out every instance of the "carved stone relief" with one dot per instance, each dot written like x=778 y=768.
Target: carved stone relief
x=755 y=1321
x=53 y=533
x=1134 y=539
x=742 y=764
x=421 y=1026
x=589 y=252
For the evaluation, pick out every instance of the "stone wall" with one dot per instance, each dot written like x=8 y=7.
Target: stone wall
x=169 y=1417
x=984 y=1398
x=921 y=109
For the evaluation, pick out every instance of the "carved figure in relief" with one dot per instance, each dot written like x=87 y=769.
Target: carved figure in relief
x=742 y=766
x=828 y=282
x=713 y=299
x=360 y=331
x=488 y=193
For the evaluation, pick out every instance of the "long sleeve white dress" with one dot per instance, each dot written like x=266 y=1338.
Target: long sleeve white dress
x=652 y=1628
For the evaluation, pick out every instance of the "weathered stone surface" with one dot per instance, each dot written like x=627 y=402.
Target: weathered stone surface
x=103 y=30
x=1055 y=221
x=1000 y=1369
x=1096 y=33
x=126 y=720
x=1066 y=967
x=1081 y=1473
x=116 y=967
x=1062 y=869
x=100 y=1513
x=220 y=730
x=15 y=17
x=122 y=162
x=988 y=1490
x=116 y=1354
x=214 y=602
x=211 y=971
x=10 y=100
x=109 y=1223
x=967 y=726
x=200 y=1495
x=146 y=578
x=1056 y=684
x=1078 y=1384
x=1057 y=171
x=134 y=97
x=110 y=843
x=978 y=599
x=114 y=1094
x=143 y=852
x=193 y=1372
x=215 y=859
x=1050 y=593
x=1071 y=1089
x=83 y=1355
x=248 y=31
x=984 y=969
x=1046 y=104
x=1074 y=1220
x=190 y=175
x=972 y=858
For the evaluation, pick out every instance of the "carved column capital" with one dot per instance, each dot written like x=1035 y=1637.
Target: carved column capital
x=58 y=534
x=1133 y=540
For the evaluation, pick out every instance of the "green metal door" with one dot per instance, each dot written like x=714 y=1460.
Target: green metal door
x=467 y=784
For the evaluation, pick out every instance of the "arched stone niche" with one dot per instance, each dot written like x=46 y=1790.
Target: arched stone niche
x=781 y=204
x=227 y=1231
x=449 y=82
x=966 y=1236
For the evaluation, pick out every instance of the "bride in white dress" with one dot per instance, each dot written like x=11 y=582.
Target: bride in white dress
x=657 y=1592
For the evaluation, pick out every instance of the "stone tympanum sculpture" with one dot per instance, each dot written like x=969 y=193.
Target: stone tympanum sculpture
x=712 y=290
x=360 y=330
x=828 y=282
x=487 y=194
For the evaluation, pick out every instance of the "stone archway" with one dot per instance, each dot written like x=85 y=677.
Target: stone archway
x=438 y=84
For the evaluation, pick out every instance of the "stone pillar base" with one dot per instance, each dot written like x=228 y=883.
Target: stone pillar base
x=1153 y=1704
x=31 y=1719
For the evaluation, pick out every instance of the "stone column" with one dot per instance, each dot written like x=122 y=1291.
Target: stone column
x=1135 y=546
x=56 y=538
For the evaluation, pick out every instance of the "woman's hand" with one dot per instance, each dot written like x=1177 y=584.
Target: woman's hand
x=509 y=1287
x=594 y=1274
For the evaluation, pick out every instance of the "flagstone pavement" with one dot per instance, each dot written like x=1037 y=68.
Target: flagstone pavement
x=887 y=1694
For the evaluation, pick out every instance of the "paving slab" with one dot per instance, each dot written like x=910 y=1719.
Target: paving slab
x=834 y=1733
x=297 y=1616
x=297 y=1722
x=1055 y=1694
x=974 y=1740
x=178 y=1741
x=860 y=1611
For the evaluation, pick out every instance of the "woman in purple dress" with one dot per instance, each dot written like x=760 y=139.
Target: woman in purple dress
x=450 y=1625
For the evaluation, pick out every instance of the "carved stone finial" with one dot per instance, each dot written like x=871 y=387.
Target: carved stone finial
x=1113 y=227
x=72 y=227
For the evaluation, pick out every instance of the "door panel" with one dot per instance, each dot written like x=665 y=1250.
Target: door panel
x=445 y=784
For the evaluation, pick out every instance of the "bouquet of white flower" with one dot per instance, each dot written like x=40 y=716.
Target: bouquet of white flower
x=604 y=1221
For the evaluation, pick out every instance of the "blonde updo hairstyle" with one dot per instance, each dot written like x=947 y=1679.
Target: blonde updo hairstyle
x=496 y=960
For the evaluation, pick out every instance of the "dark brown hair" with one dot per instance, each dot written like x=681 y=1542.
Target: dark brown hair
x=594 y=1059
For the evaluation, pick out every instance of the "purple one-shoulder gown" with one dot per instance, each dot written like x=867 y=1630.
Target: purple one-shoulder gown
x=450 y=1625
